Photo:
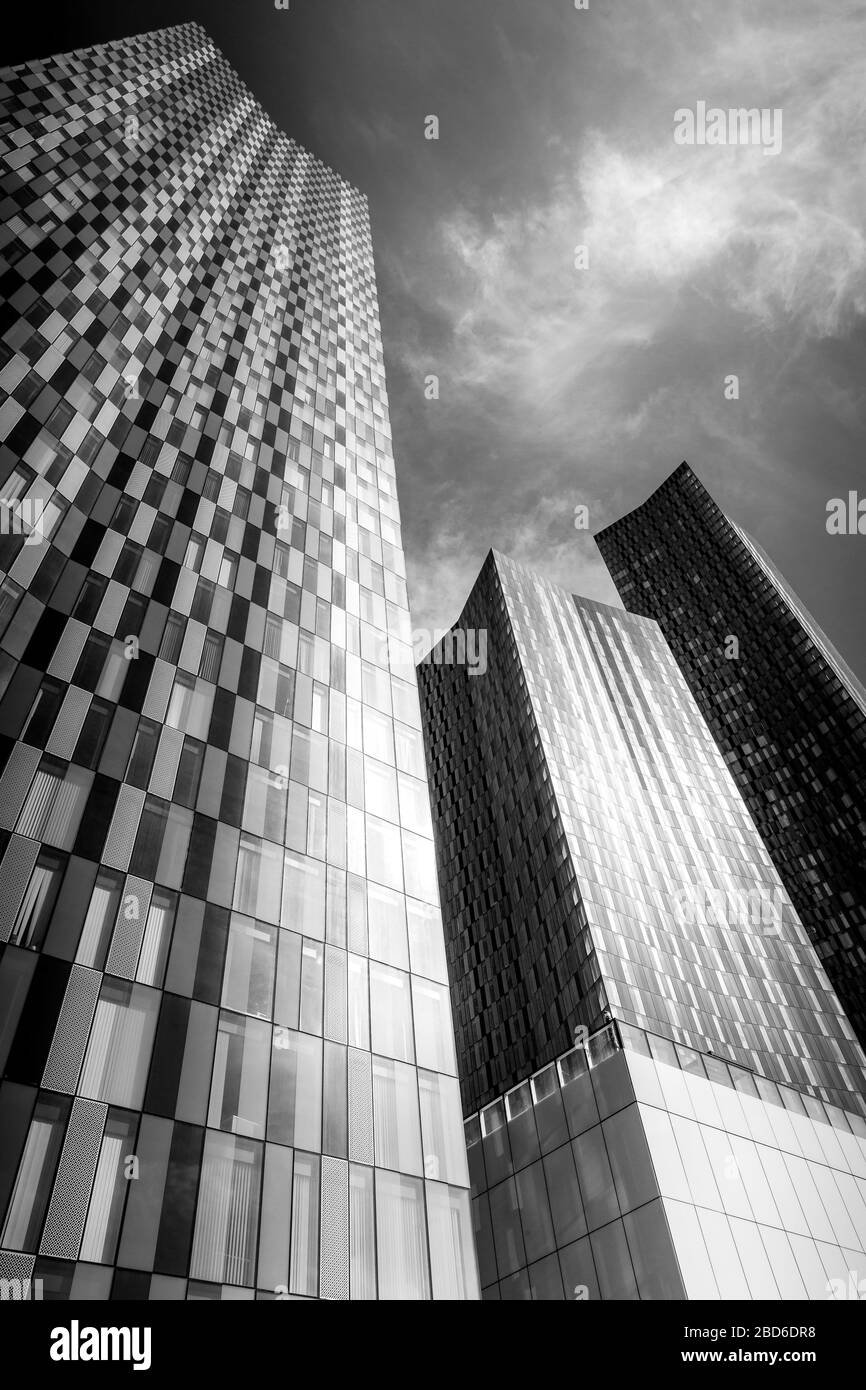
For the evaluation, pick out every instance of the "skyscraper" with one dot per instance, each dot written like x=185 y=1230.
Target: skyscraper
x=227 y=1051
x=600 y=870
x=785 y=709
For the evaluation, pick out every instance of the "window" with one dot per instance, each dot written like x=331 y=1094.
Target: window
x=433 y=1029
x=110 y=1186
x=55 y=803
x=190 y=706
x=211 y=657
x=143 y=753
x=395 y=1116
x=118 y=1053
x=36 y=908
x=172 y=638
x=35 y=1174
x=99 y=922
x=391 y=1012
x=295 y=1101
x=224 y=1243
x=49 y=698
x=303 y=905
x=401 y=1228
x=248 y=984
x=156 y=938
x=94 y=732
x=239 y=1084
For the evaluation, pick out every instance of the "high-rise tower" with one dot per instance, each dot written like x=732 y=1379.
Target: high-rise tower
x=227 y=1051
x=786 y=711
x=601 y=872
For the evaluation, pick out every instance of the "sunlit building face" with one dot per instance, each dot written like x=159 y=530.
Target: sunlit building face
x=601 y=874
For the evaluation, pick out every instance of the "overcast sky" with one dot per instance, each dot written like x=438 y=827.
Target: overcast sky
x=560 y=386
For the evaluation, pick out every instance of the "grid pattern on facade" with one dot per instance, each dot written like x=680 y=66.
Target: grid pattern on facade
x=653 y=832
x=216 y=819
x=787 y=713
x=658 y=1173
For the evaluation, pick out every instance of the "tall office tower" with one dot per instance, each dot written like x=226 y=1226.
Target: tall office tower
x=227 y=1054
x=597 y=863
x=786 y=711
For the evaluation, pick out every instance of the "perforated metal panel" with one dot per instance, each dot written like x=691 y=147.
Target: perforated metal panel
x=360 y=1106
x=15 y=874
x=19 y=1269
x=17 y=776
x=68 y=650
x=67 y=1213
x=124 y=824
x=110 y=609
x=165 y=763
x=67 y=725
x=159 y=690
x=129 y=928
x=72 y=1031
x=336 y=994
x=334 y=1257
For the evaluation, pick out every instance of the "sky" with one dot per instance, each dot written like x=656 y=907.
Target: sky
x=571 y=379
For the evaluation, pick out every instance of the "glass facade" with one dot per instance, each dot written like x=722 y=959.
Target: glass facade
x=635 y=1168
x=226 y=1052
x=595 y=857
x=786 y=711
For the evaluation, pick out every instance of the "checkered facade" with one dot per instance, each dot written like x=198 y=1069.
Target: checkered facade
x=227 y=1057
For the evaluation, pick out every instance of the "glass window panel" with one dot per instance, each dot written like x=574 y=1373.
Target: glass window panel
x=452 y=1254
x=616 y=1279
x=35 y=1174
x=362 y=1233
x=384 y=855
x=507 y=1230
x=442 y=1128
x=434 y=1034
x=312 y=987
x=419 y=867
x=596 y=1181
x=395 y=1116
x=37 y=905
x=295 y=1102
x=248 y=983
x=402 y=1237
x=274 y=1237
x=578 y=1271
x=118 y=1052
x=426 y=940
x=224 y=1243
x=566 y=1207
x=391 y=1012
x=239 y=1083
x=304 y=895
x=304 y=1258
x=535 y=1212
x=288 y=987
x=386 y=915
x=652 y=1253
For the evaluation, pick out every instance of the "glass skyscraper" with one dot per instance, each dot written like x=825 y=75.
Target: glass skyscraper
x=601 y=872
x=227 y=1053
x=785 y=709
